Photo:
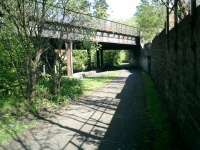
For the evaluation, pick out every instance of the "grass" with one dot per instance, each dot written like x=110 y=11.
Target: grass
x=92 y=83
x=10 y=127
x=158 y=117
x=12 y=109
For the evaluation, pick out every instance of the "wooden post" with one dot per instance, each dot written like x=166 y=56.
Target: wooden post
x=69 y=48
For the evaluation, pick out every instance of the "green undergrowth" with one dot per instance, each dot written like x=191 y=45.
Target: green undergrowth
x=70 y=90
x=11 y=127
x=14 y=109
x=160 y=128
x=12 y=118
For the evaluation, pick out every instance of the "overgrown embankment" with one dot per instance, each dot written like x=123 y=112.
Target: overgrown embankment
x=14 y=111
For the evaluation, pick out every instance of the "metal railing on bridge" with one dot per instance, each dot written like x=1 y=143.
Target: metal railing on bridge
x=57 y=13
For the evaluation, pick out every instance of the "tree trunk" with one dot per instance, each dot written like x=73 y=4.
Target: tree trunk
x=32 y=67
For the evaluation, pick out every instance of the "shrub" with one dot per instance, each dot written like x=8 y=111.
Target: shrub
x=80 y=60
x=71 y=88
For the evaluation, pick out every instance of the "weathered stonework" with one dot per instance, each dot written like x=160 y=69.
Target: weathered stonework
x=177 y=76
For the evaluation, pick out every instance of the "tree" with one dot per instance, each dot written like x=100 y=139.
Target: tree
x=22 y=45
x=21 y=35
x=100 y=8
x=80 y=5
x=150 y=19
x=131 y=21
x=183 y=6
x=19 y=41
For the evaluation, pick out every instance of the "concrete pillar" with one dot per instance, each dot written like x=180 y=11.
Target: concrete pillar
x=69 y=48
x=98 y=60
x=101 y=57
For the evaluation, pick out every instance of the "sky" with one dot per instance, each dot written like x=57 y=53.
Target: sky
x=121 y=10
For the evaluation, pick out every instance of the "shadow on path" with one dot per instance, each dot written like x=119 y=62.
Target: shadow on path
x=126 y=129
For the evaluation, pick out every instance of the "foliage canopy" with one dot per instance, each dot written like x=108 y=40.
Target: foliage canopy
x=150 y=19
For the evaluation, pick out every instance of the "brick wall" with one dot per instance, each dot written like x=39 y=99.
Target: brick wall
x=177 y=76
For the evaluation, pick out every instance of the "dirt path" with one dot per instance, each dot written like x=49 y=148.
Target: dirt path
x=109 y=119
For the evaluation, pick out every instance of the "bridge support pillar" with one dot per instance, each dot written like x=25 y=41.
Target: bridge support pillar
x=69 y=48
x=98 y=60
x=101 y=56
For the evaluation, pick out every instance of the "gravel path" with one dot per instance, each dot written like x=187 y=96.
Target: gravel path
x=111 y=118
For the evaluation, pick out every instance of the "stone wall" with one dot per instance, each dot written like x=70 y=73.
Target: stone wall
x=176 y=72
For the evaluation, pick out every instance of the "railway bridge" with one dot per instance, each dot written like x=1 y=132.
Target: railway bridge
x=71 y=28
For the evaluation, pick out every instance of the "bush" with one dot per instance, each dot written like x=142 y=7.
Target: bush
x=43 y=87
x=12 y=60
x=80 y=60
x=114 y=58
x=71 y=88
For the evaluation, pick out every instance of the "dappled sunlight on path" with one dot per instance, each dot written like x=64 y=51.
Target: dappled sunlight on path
x=89 y=123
